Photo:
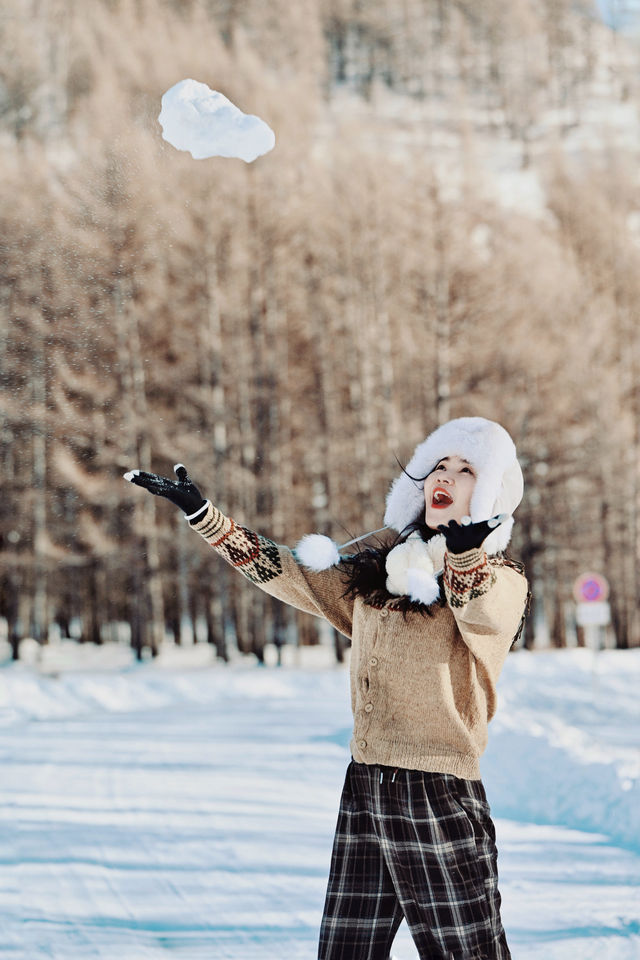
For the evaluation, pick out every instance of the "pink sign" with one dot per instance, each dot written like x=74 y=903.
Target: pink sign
x=591 y=588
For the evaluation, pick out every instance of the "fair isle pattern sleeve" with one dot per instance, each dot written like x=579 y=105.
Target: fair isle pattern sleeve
x=487 y=600
x=467 y=576
x=257 y=557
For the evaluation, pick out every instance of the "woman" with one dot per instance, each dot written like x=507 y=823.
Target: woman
x=431 y=618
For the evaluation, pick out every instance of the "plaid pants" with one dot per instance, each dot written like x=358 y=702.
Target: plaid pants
x=414 y=845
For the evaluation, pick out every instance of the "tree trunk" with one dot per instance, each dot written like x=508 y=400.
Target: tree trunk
x=39 y=627
x=137 y=448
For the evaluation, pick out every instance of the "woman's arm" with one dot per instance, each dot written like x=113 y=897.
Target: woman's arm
x=487 y=599
x=270 y=566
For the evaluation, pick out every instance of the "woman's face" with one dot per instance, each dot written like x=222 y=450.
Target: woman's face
x=448 y=490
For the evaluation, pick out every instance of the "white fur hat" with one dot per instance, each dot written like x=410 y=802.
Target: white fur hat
x=498 y=489
x=490 y=451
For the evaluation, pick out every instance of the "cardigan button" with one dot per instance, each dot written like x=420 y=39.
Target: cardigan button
x=368 y=708
x=384 y=614
x=362 y=744
x=373 y=661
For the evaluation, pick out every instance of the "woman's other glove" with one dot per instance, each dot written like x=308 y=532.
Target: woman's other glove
x=464 y=536
x=183 y=491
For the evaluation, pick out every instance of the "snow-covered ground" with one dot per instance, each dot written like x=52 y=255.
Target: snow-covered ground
x=185 y=809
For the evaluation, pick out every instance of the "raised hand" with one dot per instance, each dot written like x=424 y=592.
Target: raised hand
x=464 y=536
x=183 y=491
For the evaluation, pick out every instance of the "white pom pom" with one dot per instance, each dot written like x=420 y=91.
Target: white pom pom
x=412 y=568
x=317 y=552
x=396 y=565
x=423 y=586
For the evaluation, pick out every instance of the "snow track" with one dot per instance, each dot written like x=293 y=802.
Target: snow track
x=152 y=812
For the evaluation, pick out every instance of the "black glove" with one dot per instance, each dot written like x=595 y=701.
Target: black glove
x=183 y=491
x=468 y=536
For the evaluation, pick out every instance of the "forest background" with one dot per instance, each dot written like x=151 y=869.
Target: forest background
x=448 y=225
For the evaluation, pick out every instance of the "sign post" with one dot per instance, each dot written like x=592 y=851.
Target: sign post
x=593 y=613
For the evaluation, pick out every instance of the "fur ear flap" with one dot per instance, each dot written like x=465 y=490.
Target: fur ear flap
x=317 y=552
x=498 y=539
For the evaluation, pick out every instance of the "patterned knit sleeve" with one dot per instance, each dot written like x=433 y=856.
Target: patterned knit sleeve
x=275 y=570
x=487 y=601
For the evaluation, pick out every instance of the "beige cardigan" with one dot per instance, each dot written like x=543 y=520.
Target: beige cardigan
x=423 y=689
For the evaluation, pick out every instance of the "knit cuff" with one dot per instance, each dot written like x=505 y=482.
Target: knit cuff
x=465 y=561
x=213 y=525
x=467 y=576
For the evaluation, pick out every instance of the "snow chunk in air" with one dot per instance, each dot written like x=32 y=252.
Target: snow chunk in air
x=206 y=124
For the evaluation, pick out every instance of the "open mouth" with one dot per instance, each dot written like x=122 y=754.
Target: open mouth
x=440 y=498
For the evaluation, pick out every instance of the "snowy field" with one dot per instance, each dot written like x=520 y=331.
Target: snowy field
x=184 y=809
